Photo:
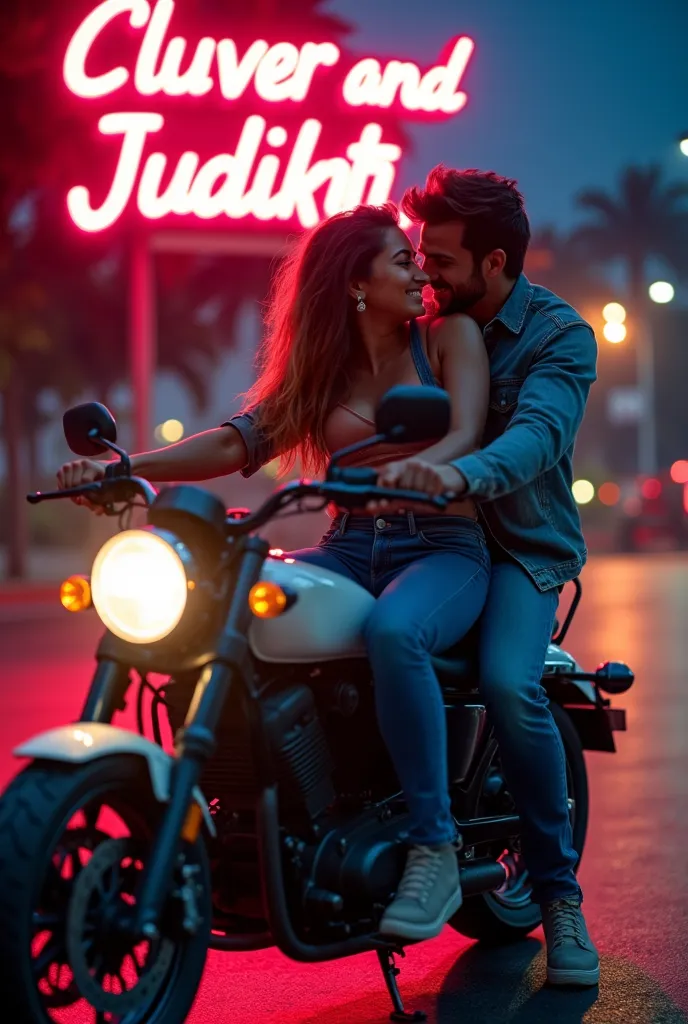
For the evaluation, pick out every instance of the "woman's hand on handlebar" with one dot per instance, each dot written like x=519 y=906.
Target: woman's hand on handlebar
x=415 y=474
x=81 y=471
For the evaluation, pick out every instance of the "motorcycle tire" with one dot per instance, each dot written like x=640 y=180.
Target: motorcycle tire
x=35 y=812
x=488 y=919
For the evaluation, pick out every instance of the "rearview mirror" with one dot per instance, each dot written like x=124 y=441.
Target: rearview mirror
x=413 y=414
x=85 y=424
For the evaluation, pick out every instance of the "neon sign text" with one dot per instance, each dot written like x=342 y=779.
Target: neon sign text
x=438 y=89
x=273 y=174
x=221 y=185
x=279 y=72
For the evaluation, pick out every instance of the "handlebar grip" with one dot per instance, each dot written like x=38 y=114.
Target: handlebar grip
x=357 y=476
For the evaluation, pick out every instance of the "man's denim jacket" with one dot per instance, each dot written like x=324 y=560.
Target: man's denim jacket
x=542 y=363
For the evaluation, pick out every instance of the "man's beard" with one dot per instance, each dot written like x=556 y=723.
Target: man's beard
x=461 y=298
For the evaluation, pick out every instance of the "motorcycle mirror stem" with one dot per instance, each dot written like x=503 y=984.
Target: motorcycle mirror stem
x=351 y=449
x=124 y=460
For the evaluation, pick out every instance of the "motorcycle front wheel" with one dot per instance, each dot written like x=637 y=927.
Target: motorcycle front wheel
x=510 y=914
x=73 y=845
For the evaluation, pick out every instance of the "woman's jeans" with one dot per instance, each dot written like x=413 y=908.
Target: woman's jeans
x=430 y=575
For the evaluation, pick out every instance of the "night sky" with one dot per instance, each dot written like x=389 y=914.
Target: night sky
x=561 y=93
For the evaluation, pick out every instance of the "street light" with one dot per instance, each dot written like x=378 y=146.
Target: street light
x=614 y=313
x=683 y=143
x=614 y=332
x=583 y=491
x=661 y=292
x=169 y=431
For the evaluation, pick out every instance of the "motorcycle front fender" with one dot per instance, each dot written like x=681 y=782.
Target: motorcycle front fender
x=90 y=741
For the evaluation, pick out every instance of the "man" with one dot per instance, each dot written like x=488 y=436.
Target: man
x=474 y=238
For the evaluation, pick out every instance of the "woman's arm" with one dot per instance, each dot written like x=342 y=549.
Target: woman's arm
x=465 y=369
x=203 y=456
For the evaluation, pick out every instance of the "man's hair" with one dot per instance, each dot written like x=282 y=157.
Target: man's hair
x=490 y=207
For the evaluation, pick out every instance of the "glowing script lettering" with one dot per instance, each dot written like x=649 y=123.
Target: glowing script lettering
x=367 y=84
x=74 y=67
x=273 y=173
x=278 y=72
x=220 y=187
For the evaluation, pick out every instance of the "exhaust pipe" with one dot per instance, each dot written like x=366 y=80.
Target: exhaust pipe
x=481 y=876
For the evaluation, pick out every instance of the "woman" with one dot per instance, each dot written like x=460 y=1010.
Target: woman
x=345 y=324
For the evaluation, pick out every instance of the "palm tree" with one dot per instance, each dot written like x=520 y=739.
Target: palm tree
x=647 y=219
x=560 y=263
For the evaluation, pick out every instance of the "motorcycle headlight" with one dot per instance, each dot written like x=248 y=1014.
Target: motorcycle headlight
x=140 y=585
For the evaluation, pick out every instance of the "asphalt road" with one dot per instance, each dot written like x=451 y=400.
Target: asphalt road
x=634 y=872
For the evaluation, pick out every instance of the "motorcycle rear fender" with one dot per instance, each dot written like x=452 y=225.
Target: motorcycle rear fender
x=579 y=698
x=90 y=741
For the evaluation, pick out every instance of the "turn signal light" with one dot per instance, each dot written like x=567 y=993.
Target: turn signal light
x=267 y=600
x=75 y=594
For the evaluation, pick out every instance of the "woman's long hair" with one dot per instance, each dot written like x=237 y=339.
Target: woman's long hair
x=305 y=361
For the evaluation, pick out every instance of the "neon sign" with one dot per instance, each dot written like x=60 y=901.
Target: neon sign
x=273 y=174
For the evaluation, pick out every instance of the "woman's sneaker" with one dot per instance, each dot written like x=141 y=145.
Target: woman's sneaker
x=428 y=895
x=571 y=956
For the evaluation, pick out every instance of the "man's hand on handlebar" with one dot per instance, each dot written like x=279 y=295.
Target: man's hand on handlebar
x=415 y=474
x=82 y=471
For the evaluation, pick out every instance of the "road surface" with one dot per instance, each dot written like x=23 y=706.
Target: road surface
x=634 y=872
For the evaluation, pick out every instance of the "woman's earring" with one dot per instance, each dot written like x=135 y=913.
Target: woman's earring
x=361 y=304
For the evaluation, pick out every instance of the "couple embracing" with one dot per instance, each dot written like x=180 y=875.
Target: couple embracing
x=346 y=322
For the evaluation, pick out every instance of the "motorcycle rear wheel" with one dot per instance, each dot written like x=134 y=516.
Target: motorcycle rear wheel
x=498 y=921
x=52 y=820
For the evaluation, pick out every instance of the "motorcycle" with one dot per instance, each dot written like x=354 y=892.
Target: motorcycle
x=278 y=819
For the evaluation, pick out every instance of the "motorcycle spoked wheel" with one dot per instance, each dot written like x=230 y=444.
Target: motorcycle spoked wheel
x=73 y=842
x=497 y=918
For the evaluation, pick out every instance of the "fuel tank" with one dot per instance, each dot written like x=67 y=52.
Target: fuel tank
x=324 y=624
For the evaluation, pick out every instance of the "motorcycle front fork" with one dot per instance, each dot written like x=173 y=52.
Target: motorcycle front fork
x=107 y=692
x=195 y=743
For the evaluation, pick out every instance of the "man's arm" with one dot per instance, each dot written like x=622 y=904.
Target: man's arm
x=550 y=409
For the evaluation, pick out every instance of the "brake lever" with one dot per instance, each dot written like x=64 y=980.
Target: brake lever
x=69 y=492
x=107 y=487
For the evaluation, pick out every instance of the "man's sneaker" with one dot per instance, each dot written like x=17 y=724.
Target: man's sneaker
x=429 y=894
x=571 y=956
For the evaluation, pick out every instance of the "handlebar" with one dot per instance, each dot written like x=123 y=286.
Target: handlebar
x=102 y=492
x=351 y=488
x=348 y=495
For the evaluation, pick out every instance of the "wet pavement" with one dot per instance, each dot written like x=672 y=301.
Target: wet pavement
x=634 y=871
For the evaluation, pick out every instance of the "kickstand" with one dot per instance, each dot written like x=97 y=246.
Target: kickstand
x=390 y=972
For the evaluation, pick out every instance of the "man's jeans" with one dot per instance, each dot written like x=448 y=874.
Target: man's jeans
x=434 y=582
x=515 y=631
x=430 y=575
